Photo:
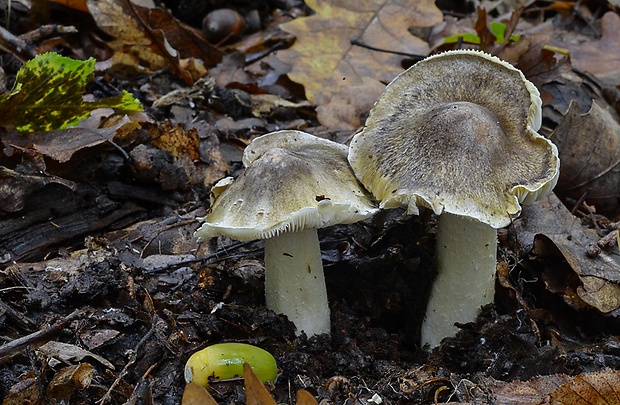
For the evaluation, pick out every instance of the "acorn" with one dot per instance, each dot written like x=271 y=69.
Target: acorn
x=222 y=25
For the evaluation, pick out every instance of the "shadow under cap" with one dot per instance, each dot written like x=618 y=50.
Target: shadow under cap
x=457 y=133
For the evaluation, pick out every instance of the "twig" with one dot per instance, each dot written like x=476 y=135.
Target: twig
x=204 y=259
x=373 y=48
x=43 y=335
x=47 y=31
x=125 y=370
x=12 y=43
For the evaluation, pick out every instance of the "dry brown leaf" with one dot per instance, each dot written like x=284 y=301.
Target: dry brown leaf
x=305 y=398
x=15 y=187
x=62 y=144
x=589 y=147
x=600 y=388
x=342 y=79
x=176 y=140
x=601 y=57
x=547 y=224
x=150 y=37
x=69 y=379
x=534 y=391
x=74 y=4
x=255 y=391
x=194 y=394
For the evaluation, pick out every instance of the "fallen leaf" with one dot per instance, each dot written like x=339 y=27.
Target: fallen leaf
x=549 y=223
x=305 y=398
x=48 y=91
x=74 y=4
x=69 y=379
x=600 y=57
x=589 y=147
x=176 y=140
x=15 y=187
x=62 y=144
x=151 y=37
x=534 y=391
x=589 y=389
x=27 y=391
x=194 y=394
x=342 y=79
x=255 y=391
x=66 y=352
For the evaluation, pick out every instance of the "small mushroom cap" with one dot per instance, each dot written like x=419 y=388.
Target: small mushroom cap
x=456 y=132
x=293 y=181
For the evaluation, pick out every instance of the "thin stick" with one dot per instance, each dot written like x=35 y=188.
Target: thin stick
x=132 y=359
x=40 y=336
x=373 y=48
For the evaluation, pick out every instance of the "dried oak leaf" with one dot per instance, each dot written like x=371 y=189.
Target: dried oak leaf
x=150 y=37
x=255 y=391
x=596 y=388
x=194 y=394
x=69 y=379
x=600 y=57
x=589 y=147
x=176 y=140
x=551 y=228
x=345 y=80
x=589 y=389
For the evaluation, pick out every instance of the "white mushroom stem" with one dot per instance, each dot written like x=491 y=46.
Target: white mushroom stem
x=466 y=260
x=294 y=281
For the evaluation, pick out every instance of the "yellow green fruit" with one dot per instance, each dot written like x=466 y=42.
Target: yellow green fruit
x=225 y=360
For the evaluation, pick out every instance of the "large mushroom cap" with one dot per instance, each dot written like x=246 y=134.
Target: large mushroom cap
x=457 y=133
x=293 y=181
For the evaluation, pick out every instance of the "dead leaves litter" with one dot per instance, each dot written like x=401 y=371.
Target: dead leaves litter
x=151 y=38
x=589 y=147
x=342 y=79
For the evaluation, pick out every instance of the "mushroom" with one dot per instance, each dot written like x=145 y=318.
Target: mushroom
x=294 y=183
x=456 y=133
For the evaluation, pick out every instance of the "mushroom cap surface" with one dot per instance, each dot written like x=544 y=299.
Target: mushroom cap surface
x=456 y=132
x=293 y=181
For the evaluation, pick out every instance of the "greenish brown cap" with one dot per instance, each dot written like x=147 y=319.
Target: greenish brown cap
x=456 y=132
x=293 y=181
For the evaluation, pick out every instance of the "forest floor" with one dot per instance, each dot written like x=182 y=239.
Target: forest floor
x=105 y=293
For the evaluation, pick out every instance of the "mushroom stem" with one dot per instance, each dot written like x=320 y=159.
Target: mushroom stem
x=466 y=260
x=294 y=282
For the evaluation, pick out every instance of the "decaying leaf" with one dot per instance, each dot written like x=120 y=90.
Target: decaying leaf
x=27 y=391
x=255 y=391
x=178 y=141
x=194 y=394
x=547 y=225
x=15 y=187
x=600 y=57
x=343 y=79
x=151 y=37
x=47 y=95
x=66 y=352
x=62 y=144
x=69 y=379
x=597 y=388
x=305 y=398
x=589 y=147
x=589 y=389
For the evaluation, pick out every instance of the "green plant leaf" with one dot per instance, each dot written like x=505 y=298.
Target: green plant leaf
x=47 y=95
x=497 y=28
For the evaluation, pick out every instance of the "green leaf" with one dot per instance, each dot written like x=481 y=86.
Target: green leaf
x=47 y=95
x=497 y=28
